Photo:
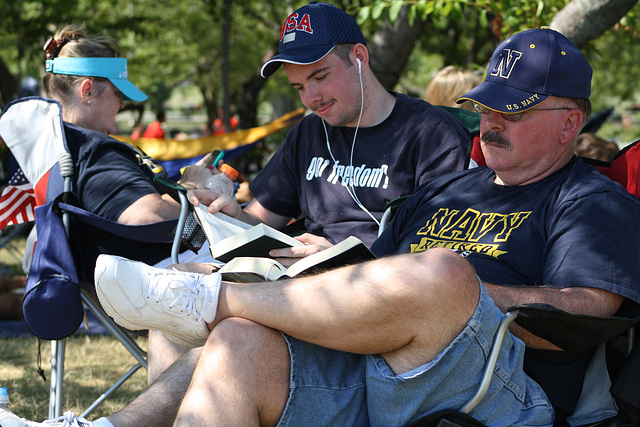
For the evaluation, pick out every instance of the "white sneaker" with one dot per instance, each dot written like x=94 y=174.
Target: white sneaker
x=9 y=419
x=69 y=419
x=176 y=303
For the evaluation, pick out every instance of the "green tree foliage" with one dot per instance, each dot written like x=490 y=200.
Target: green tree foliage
x=178 y=42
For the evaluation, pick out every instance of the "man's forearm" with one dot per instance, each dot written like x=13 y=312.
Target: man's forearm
x=576 y=300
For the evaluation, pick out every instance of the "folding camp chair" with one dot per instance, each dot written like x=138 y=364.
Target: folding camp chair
x=572 y=332
x=51 y=171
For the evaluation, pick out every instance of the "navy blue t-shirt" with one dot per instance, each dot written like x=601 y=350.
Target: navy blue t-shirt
x=108 y=176
x=415 y=144
x=573 y=228
x=108 y=179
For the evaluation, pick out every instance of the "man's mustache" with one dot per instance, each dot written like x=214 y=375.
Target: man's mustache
x=319 y=105
x=496 y=138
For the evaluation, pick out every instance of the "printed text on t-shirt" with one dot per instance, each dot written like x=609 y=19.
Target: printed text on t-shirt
x=348 y=175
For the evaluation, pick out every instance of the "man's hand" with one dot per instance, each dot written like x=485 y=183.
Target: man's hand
x=216 y=202
x=194 y=177
x=289 y=256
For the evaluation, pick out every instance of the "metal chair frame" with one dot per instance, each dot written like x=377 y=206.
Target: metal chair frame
x=58 y=347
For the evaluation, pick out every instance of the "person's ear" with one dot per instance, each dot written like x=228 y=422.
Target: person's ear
x=86 y=87
x=361 y=54
x=572 y=124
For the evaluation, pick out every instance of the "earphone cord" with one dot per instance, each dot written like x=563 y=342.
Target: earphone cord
x=352 y=190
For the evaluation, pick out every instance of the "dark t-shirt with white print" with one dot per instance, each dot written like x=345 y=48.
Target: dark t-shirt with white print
x=415 y=144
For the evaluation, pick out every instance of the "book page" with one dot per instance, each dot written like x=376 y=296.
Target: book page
x=251 y=269
x=218 y=226
x=254 y=242
x=248 y=269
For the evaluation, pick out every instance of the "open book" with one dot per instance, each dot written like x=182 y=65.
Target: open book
x=230 y=238
x=257 y=269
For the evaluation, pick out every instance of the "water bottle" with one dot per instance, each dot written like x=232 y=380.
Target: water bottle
x=223 y=182
x=8 y=418
x=4 y=398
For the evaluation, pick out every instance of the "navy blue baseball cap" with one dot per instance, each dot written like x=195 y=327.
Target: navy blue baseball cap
x=310 y=33
x=528 y=68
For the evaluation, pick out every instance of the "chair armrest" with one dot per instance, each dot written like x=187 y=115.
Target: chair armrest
x=574 y=332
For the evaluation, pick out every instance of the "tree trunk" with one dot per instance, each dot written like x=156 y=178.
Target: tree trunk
x=248 y=108
x=211 y=106
x=584 y=20
x=391 y=47
x=224 y=65
x=8 y=85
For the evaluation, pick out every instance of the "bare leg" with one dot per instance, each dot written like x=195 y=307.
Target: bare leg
x=158 y=405
x=242 y=378
x=9 y=284
x=162 y=354
x=407 y=308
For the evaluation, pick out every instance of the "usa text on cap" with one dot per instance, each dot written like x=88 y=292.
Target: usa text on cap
x=310 y=33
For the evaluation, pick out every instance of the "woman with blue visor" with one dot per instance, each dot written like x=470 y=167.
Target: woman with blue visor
x=88 y=78
x=85 y=85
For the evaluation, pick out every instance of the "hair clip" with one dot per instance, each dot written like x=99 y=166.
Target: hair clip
x=52 y=47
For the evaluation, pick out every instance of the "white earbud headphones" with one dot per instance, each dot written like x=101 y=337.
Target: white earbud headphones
x=351 y=188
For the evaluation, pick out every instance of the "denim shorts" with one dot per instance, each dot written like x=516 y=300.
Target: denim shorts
x=334 y=388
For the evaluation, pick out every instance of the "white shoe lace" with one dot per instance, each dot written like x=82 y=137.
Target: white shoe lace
x=69 y=419
x=185 y=288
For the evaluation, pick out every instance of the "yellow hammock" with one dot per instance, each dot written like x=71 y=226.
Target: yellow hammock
x=171 y=149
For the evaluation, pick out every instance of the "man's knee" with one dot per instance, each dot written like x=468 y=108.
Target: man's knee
x=192 y=267
x=242 y=338
x=453 y=276
x=253 y=358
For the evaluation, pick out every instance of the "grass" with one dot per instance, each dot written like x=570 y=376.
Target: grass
x=92 y=364
x=11 y=255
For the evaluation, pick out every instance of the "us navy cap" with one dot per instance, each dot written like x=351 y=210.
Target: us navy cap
x=528 y=68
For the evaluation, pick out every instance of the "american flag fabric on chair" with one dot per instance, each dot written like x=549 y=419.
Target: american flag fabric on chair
x=33 y=133
x=17 y=201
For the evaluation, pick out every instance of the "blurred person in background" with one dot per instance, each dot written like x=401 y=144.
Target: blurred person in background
x=592 y=146
x=446 y=86
x=158 y=128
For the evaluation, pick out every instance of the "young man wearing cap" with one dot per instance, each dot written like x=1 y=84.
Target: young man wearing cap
x=362 y=146
x=389 y=341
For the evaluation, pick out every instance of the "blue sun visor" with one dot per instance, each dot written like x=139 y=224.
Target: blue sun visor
x=114 y=69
